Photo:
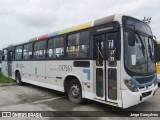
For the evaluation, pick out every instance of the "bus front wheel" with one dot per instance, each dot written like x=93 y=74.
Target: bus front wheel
x=18 y=79
x=74 y=91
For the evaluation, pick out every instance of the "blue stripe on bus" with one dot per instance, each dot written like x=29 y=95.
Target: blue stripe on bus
x=87 y=71
x=52 y=34
x=137 y=84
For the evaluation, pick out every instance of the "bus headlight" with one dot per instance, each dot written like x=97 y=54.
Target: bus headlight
x=131 y=86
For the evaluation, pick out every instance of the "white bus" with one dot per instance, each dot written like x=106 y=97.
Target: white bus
x=109 y=60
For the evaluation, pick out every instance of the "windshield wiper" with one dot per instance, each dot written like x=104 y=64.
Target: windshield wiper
x=143 y=47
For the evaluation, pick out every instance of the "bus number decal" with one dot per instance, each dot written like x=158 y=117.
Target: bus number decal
x=65 y=68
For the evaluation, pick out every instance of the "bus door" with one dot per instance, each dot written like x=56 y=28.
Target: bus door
x=10 y=57
x=106 y=67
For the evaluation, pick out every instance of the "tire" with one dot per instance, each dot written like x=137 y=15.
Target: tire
x=74 y=92
x=18 y=79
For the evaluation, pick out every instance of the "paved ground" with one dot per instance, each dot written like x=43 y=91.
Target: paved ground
x=33 y=98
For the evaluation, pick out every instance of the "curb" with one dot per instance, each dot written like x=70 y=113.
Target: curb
x=7 y=84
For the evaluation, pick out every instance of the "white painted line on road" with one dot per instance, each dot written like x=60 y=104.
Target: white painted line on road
x=46 y=100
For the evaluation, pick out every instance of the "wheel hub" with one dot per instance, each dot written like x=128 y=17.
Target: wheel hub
x=75 y=91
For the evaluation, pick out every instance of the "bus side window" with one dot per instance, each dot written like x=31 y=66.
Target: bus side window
x=78 y=45
x=56 y=48
x=27 y=51
x=40 y=50
x=18 y=52
x=5 y=52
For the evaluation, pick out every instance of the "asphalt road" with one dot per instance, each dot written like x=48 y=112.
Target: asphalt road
x=34 y=98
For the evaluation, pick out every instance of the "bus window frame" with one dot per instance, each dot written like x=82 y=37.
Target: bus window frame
x=47 y=48
x=65 y=42
x=15 y=54
x=65 y=35
x=4 y=56
x=40 y=49
x=89 y=52
x=23 y=51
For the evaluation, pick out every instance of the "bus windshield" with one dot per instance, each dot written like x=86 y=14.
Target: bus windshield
x=142 y=51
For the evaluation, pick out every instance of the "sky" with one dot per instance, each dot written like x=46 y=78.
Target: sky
x=21 y=20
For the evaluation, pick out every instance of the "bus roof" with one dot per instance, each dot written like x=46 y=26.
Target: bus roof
x=85 y=25
x=104 y=20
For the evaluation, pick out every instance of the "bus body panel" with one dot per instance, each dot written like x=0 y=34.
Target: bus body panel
x=51 y=74
x=34 y=70
x=133 y=98
x=5 y=68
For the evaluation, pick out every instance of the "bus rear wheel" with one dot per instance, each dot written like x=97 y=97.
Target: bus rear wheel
x=74 y=92
x=18 y=79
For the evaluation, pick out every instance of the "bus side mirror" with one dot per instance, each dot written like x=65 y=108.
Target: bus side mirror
x=131 y=38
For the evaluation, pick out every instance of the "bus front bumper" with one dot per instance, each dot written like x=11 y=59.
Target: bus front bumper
x=133 y=98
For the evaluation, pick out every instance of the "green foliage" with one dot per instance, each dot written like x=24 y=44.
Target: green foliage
x=4 y=79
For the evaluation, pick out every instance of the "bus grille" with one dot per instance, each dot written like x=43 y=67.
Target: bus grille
x=146 y=94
